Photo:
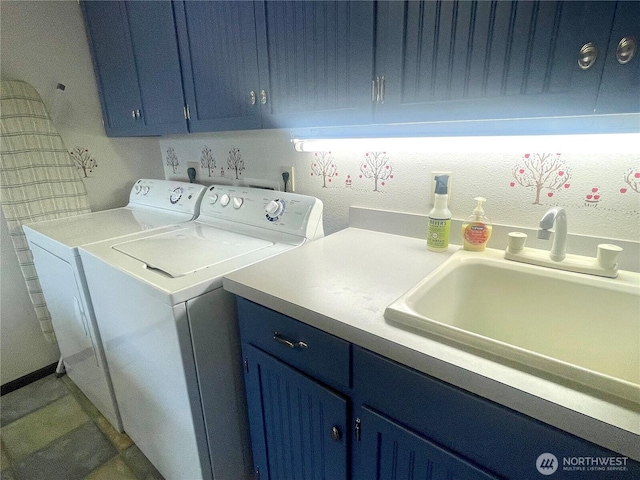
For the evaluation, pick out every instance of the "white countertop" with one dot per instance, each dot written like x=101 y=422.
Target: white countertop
x=342 y=284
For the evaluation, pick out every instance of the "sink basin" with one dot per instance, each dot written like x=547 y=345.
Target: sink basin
x=576 y=326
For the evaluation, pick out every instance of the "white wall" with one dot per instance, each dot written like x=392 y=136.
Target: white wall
x=44 y=43
x=601 y=193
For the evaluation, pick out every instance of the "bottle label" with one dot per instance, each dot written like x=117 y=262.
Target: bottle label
x=476 y=233
x=438 y=233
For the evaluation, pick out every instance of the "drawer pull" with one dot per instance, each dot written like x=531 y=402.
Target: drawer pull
x=289 y=343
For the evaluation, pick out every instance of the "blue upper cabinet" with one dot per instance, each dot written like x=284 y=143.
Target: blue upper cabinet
x=316 y=62
x=620 y=88
x=439 y=61
x=135 y=54
x=276 y=64
x=219 y=64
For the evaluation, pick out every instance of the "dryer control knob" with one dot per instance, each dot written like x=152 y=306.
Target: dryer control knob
x=237 y=202
x=224 y=200
x=145 y=190
x=136 y=189
x=213 y=198
x=274 y=208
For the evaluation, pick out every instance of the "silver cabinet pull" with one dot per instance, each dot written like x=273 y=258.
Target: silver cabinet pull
x=187 y=113
x=252 y=97
x=382 y=85
x=336 y=435
x=263 y=97
x=289 y=343
x=587 y=56
x=373 y=90
x=626 y=49
x=133 y=114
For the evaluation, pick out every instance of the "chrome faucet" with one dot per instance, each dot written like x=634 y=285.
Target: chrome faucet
x=559 y=245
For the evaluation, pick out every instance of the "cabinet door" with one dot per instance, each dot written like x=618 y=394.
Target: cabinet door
x=385 y=450
x=482 y=60
x=155 y=47
x=114 y=64
x=292 y=418
x=219 y=64
x=620 y=88
x=135 y=54
x=316 y=62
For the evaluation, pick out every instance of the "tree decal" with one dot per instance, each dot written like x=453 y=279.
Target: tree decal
x=83 y=160
x=235 y=162
x=539 y=171
x=323 y=166
x=172 y=159
x=631 y=178
x=376 y=165
x=207 y=160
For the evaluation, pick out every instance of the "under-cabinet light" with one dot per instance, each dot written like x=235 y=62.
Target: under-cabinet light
x=582 y=143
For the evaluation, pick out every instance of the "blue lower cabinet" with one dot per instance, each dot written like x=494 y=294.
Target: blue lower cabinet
x=495 y=438
x=384 y=449
x=322 y=408
x=297 y=425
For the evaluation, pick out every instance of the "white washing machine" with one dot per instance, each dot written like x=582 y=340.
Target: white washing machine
x=152 y=204
x=170 y=331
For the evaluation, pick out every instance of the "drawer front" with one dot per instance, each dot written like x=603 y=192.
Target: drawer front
x=306 y=348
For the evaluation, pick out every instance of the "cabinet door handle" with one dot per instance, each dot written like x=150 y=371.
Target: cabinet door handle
x=289 y=343
x=587 y=56
x=336 y=434
x=252 y=97
x=626 y=49
x=263 y=97
x=133 y=114
x=382 y=88
x=137 y=112
x=187 y=113
x=373 y=90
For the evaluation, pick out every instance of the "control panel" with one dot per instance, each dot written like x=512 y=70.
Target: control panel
x=280 y=211
x=168 y=194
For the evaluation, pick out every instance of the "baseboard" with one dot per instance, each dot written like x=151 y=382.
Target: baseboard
x=27 y=379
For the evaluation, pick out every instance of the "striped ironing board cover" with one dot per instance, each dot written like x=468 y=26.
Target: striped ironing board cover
x=38 y=178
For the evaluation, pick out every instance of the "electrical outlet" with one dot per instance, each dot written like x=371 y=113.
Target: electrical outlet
x=291 y=185
x=196 y=168
x=432 y=191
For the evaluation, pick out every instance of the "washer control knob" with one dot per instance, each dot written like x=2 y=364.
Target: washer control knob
x=213 y=198
x=237 y=202
x=224 y=200
x=136 y=189
x=274 y=208
x=175 y=195
x=145 y=190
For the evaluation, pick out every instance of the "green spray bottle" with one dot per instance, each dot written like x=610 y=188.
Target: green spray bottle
x=439 y=217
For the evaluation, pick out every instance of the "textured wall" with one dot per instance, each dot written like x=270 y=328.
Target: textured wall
x=601 y=193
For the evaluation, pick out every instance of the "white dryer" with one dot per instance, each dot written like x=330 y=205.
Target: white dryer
x=153 y=204
x=170 y=330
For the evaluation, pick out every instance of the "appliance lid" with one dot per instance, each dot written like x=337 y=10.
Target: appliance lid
x=97 y=226
x=188 y=250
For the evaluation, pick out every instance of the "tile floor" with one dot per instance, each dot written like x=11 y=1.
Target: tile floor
x=51 y=431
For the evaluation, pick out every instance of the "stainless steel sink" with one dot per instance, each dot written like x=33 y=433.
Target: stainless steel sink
x=579 y=327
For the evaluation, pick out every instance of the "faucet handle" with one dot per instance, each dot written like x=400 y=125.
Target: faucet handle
x=516 y=242
x=608 y=255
